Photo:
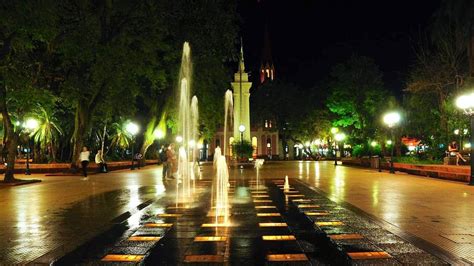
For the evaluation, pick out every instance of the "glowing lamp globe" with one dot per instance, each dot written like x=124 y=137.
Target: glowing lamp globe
x=391 y=119
x=334 y=130
x=373 y=143
x=132 y=128
x=179 y=139
x=466 y=102
x=31 y=124
x=158 y=134
x=340 y=136
x=241 y=128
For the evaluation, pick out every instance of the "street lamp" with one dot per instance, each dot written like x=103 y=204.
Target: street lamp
x=337 y=138
x=30 y=125
x=391 y=120
x=132 y=129
x=241 y=130
x=158 y=134
x=179 y=139
x=466 y=103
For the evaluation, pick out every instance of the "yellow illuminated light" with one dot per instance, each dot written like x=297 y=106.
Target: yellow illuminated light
x=305 y=206
x=272 y=225
x=122 y=258
x=333 y=223
x=210 y=238
x=316 y=213
x=278 y=237
x=262 y=201
x=287 y=257
x=265 y=207
x=169 y=215
x=158 y=225
x=268 y=214
x=368 y=255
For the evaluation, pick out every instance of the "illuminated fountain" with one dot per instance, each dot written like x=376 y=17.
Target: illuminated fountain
x=258 y=165
x=221 y=184
x=187 y=129
x=286 y=186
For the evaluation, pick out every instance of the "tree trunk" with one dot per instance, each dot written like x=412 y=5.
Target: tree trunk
x=10 y=135
x=81 y=126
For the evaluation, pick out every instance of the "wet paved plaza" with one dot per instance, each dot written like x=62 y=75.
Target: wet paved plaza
x=319 y=221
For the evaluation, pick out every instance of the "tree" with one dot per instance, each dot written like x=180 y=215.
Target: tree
x=48 y=131
x=357 y=97
x=25 y=29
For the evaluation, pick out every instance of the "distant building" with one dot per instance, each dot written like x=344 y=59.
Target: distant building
x=264 y=138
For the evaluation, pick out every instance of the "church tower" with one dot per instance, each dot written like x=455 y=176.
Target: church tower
x=241 y=87
x=267 y=70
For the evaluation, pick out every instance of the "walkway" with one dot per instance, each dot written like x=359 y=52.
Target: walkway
x=438 y=211
x=56 y=215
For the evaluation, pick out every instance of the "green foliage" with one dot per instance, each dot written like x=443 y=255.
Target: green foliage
x=242 y=149
x=366 y=150
x=120 y=138
x=416 y=160
x=48 y=132
x=357 y=97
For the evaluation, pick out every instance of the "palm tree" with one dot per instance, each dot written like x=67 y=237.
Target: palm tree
x=120 y=137
x=47 y=133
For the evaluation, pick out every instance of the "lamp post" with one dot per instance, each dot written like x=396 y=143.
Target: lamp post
x=241 y=130
x=334 y=131
x=132 y=129
x=391 y=120
x=466 y=103
x=337 y=138
x=30 y=125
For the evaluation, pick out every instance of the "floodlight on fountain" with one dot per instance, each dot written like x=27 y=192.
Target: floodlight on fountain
x=340 y=136
x=373 y=143
x=334 y=130
x=158 y=133
x=132 y=128
x=31 y=124
x=241 y=128
x=391 y=119
x=179 y=139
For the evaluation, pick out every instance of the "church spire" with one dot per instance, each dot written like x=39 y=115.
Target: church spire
x=241 y=60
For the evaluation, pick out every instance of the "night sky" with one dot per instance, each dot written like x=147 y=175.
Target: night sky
x=309 y=37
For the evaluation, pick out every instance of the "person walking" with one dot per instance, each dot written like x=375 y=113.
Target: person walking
x=163 y=160
x=171 y=160
x=84 y=158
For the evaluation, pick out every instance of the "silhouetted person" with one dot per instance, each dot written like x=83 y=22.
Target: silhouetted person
x=84 y=158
